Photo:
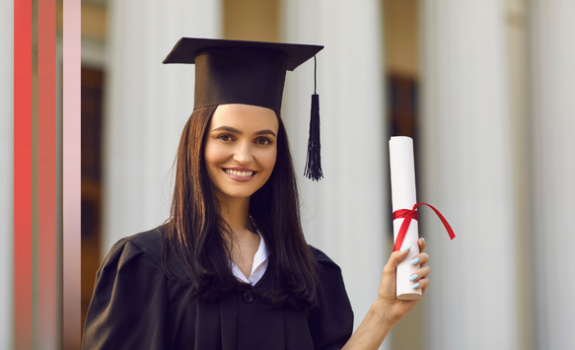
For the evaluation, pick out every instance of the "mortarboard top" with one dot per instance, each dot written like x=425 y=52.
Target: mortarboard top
x=186 y=49
x=248 y=72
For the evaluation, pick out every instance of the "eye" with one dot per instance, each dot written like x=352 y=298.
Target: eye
x=264 y=141
x=225 y=137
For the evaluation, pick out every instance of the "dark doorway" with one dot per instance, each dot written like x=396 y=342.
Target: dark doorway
x=92 y=93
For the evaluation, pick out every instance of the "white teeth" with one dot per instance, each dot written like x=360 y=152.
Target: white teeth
x=239 y=173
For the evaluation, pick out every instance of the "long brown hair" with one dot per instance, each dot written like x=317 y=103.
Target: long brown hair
x=195 y=232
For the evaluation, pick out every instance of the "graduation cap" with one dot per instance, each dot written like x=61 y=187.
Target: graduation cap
x=249 y=72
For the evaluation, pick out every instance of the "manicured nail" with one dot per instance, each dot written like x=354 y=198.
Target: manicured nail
x=423 y=240
x=413 y=278
x=414 y=261
x=415 y=286
x=406 y=248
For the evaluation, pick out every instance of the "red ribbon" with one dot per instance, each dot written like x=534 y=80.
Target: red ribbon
x=408 y=215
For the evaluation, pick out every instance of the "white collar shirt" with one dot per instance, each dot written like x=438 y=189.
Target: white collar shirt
x=259 y=265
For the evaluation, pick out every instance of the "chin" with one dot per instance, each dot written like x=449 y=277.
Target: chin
x=238 y=191
x=238 y=194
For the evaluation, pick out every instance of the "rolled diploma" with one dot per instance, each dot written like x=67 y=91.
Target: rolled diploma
x=403 y=197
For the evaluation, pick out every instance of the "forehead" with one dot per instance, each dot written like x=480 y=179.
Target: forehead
x=245 y=117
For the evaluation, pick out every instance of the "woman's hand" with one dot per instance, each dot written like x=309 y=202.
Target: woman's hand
x=387 y=309
x=394 y=308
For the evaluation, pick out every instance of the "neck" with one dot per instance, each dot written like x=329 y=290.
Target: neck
x=236 y=212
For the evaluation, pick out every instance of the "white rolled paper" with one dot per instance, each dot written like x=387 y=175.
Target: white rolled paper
x=403 y=197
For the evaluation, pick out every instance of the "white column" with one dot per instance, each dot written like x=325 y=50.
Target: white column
x=6 y=174
x=346 y=214
x=553 y=123
x=148 y=104
x=465 y=150
x=518 y=63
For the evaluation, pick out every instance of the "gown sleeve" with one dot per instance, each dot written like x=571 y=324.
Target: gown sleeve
x=331 y=324
x=128 y=308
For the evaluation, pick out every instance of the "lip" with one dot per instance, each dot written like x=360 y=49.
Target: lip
x=240 y=178
x=239 y=168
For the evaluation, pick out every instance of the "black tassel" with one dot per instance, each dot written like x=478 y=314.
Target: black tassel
x=313 y=164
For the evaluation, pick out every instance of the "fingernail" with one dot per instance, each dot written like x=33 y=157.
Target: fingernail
x=415 y=286
x=423 y=240
x=413 y=278
x=414 y=261
x=406 y=248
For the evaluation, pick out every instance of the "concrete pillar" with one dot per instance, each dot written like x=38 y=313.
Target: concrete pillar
x=466 y=153
x=6 y=174
x=553 y=168
x=518 y=62
x=148 y=104
x=346 y=214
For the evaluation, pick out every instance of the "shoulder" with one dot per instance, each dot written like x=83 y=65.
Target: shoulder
x=141 y=248
x=329 y=272
x=322 y=258
x=149 y=242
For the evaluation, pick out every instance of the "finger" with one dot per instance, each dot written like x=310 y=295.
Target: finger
x=421 y=284
x=422 y=244
x=420 y=274
x=394 y=259
x=420 y=259
x=425 y=288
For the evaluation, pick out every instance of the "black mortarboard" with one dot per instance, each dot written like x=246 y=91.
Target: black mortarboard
x=248 y=72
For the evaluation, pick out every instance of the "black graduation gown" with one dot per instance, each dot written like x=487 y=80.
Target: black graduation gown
x=135 y=306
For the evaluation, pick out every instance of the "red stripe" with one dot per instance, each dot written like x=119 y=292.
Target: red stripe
x=47 y=173
x=23 y=174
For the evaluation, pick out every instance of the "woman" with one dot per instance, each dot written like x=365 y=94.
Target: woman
x=231 y=268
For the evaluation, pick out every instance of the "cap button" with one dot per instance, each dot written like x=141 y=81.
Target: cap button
x=248 y=297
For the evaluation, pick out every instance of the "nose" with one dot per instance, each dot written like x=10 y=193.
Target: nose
x=243 y=153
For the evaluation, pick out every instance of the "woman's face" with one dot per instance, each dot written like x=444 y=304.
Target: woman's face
x=240 y=151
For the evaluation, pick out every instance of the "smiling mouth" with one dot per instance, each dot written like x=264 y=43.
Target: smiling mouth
x=239 y=173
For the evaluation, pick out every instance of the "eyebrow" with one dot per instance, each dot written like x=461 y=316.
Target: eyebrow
x=239 y=132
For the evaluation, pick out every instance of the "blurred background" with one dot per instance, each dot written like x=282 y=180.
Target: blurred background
x=484 y=87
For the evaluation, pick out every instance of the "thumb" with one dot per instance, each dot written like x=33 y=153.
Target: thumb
x=394 y=260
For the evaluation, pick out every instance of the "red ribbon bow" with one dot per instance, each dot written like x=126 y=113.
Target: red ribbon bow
x=408 y=215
